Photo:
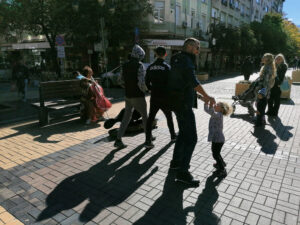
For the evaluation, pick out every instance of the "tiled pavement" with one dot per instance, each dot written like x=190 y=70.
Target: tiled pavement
x=68 y=173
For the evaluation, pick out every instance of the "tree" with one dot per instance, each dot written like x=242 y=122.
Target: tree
x=122 y=18
x=248 y=40
x=293 y=44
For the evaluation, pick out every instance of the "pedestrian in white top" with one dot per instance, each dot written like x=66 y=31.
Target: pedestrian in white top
x=215 y=134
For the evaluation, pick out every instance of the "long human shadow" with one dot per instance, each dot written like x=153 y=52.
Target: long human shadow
x=265 y=139
x=245 y=117
x=203 y=208
x=282 y=131
x=168 y=208
x=42 y=134
x=105 y=184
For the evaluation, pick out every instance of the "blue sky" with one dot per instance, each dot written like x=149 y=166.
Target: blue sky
x=292 y=9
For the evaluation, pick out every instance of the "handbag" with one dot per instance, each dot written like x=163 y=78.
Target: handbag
x=285 y=86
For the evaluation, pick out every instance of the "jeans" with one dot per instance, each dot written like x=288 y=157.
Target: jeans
x=156 y=105
x=186 y=140
x=133 y=103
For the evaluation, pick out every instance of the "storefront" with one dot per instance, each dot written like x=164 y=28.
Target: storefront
x=173 y=46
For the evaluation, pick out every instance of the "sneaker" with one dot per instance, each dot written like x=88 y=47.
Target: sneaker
x=119 y=144
x=221 y=173
x=174 y=165
x=187 y=178
x=149 y=144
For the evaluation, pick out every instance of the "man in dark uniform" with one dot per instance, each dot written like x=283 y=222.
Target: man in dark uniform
x=156 y=80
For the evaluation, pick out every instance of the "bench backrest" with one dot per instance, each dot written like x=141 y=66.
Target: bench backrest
x=59 y=89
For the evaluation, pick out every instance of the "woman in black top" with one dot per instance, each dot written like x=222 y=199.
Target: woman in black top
x=274 y=100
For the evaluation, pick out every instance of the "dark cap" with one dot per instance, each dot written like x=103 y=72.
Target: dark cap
x=160 y=51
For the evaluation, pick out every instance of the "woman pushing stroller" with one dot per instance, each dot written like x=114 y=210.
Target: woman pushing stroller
x=265 y=80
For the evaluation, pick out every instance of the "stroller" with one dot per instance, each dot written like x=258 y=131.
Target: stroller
x=248 y=97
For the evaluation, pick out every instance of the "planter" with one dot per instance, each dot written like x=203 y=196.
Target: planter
x=296 y=76
x=203 y=76
x=241 y=87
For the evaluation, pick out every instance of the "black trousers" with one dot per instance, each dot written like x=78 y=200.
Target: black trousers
x=261 y=108
x=216 y=152
x=155 y=105
x=274 y=101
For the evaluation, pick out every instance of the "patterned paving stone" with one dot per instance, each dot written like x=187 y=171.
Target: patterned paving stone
x=68 y=173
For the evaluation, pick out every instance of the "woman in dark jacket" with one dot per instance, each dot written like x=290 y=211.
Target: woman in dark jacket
x=274 y=100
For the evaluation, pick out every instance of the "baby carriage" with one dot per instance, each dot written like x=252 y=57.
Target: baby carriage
x=248 y=97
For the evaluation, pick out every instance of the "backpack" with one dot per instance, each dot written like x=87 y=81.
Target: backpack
x=101 y=102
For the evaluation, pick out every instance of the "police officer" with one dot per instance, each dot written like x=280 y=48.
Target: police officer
x=156 y=81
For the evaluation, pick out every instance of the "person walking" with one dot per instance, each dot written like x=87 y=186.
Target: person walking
x=133 y=79
x=183 y=66
x=274 y=100
x=247 y=68
x=20 y=73
x=215 y=135
x=156 y=81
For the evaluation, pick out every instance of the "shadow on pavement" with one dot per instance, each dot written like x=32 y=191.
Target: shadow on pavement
x=283 y=132
x=168 y=208
x=287 y=102
x=42 y=134
x=203 y=208
x=105 y=184
x=265 y=139
x=245 y=117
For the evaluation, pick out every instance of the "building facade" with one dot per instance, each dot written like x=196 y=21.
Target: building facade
x=174 y=20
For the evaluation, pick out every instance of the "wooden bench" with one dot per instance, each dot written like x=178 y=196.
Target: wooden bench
x=57 y=95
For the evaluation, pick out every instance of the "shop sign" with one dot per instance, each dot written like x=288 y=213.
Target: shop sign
x=61 y=52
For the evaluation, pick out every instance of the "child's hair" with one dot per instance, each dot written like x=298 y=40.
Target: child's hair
x=227 y=109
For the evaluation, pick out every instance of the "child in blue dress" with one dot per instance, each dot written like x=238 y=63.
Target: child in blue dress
x=215 y=134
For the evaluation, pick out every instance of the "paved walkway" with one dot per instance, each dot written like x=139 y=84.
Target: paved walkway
x=69 y=173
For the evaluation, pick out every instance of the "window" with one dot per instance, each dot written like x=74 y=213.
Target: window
x=267 y=9
x=203 y=23
x=159 y=12
x=214 y=13
x=178 y=15
x=237 y=5
x=193 y=20
x=223 y=17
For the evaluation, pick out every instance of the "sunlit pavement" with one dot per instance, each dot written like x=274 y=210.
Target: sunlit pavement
x=70 y=173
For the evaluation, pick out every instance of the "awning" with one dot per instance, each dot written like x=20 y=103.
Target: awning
x=156 y=42
x=37 y=45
